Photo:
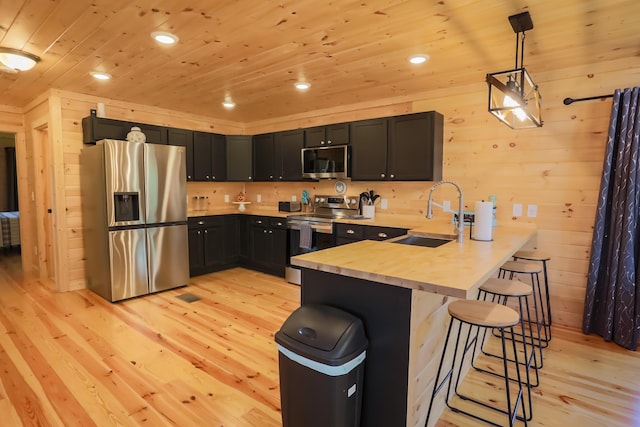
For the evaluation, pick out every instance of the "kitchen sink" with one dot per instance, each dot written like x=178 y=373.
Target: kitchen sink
x=428 y=242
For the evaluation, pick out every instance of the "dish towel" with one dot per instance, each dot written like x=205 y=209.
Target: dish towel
x=305 y=236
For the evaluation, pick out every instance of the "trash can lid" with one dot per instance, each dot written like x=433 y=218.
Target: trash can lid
x=323 y=333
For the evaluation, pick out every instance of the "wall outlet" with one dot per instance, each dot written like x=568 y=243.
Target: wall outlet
x=517 y=209
x=259 y=199
x=446 y=206
x=384 y=204
x=532 y=211
x=294 y=198
x=226 y=198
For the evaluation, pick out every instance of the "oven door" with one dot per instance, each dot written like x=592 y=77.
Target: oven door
x=321 y=238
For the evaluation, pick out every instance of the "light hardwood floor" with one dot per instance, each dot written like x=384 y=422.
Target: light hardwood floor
x=73 y=359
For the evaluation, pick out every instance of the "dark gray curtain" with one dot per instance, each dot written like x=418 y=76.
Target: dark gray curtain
x=12 y=179
x=612 y=302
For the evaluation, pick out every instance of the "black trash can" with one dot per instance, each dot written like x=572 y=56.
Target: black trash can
x=321 y=352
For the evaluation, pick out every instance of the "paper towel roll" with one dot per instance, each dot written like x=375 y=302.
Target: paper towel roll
x=483 y=226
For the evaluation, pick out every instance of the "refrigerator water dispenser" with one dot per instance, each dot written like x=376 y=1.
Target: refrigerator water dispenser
x=126 y=206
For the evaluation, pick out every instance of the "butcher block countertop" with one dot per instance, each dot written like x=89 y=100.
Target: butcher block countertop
x=453 y=269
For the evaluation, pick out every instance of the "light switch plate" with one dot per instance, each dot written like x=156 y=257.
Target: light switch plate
x=259 y=198
x=294 y=198
x=517 y=209
x=226 y=198
x=383 y=204
x=532 y=211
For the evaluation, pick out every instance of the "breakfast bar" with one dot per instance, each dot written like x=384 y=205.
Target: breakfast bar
x=401 y=292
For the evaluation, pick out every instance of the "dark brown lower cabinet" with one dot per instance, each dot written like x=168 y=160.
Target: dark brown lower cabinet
x=349 y=233
x=213 y=243
x=269 y=245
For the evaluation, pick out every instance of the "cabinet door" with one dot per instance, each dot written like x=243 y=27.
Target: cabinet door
x=245 y=238
x=415 y=147
x=154 y=134
x=201 y=156
x=239 y=158
x=231 y=239
x=261 y=250
x=263 y=153
x=218 y=157
x=315 y=137
x=288 y=147
x=279 y=250
x=278 y=235
x=369 y=150
x=96 y=128
x=213 y=247
x=196 y=251
x=184 y=138
x=338 y=134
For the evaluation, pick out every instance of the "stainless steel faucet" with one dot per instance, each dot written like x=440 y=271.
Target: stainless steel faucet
x=459 y=228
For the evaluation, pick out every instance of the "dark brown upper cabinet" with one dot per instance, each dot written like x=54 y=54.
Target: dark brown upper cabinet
x=400 y=148
x=321 y=136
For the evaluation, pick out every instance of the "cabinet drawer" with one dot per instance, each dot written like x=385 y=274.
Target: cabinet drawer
x=260 y=221
x=383 y=233
x=278 y=223
x=350 y=231
x=205 y=221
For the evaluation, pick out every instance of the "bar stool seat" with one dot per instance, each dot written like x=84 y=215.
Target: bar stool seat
x=532 y=256
x=487 y=315
x=507 y=287
x=483 y=313
x=521 y=267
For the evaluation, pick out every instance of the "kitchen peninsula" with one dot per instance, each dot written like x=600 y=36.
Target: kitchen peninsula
x=401 y=293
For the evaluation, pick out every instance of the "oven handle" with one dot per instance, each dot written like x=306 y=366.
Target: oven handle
x=325 y=229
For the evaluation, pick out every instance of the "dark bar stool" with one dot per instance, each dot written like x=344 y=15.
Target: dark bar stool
x=499 y=291
x=509 y=270
x=487 y=315
x=542 y=258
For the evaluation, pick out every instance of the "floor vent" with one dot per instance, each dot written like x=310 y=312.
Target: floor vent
x=189 y=297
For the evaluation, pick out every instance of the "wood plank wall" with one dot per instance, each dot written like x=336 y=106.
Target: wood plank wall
x=556 y=167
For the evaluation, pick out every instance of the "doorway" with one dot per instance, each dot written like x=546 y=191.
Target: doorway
x=9 y=214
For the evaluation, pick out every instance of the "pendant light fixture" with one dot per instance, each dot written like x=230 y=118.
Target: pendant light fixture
x=513 y=96
x=18 y=60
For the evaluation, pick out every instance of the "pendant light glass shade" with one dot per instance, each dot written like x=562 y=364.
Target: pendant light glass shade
x=17 y=59
x=514 y=99
x=513 y=96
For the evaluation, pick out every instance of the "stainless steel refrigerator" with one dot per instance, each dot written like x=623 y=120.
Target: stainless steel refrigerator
x=134 y=215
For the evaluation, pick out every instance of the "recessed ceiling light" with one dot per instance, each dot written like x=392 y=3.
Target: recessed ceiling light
x=164 y=37
x=100 y=76
x=228 y=104
x=418 y=59
x=302 y=85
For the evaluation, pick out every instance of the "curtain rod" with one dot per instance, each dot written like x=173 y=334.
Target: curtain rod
x=568 y=101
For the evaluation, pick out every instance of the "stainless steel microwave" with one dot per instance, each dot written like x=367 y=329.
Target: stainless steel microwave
x=326 y=162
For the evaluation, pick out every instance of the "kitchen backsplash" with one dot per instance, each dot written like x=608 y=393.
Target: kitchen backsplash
x=403 y=198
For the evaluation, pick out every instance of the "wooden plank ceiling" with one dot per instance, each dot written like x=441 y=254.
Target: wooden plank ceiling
x=253 y=51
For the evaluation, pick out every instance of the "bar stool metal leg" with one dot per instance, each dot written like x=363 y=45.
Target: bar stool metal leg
x=509 y=270
x=500 y=290
x=541 y=258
